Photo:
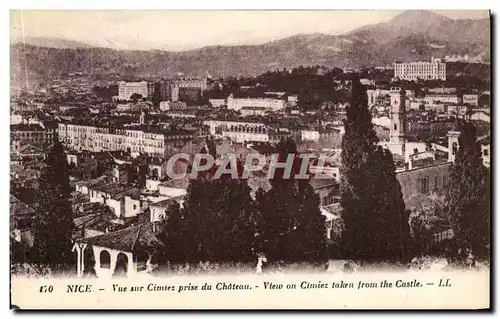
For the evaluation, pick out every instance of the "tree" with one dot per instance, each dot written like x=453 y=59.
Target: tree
x=388 y=224
x=156 y=99
x=293 y=229
x=170 y=235
x=358 y=145
x=469 y=197
x=309 y=239
x=428 y=215
x=53 y=226
x=212 y=148
x=194 y=213
x=275 y=207
x=136 y=97
x=237 y=221
x=218 y=220
x=375 y=221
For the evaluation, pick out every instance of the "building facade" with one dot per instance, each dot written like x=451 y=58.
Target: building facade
x=126 y=89
x=251 y=134
x=182 y=89
x=413 y=71
x=217 y=126
x=172 y=106
x=264 y=103
x=98 y=139
x=470 y=99
x=33 y=134
x=423 y=181
x=442 y=98
x=377 y=97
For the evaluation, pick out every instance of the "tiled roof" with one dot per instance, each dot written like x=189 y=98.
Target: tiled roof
x=94 y=181
x=163 y=203
x=18 y=208
x=485 y=140
x=26 y=127
x=30 y=149
x=320 y=183
x=111 y=188
x=131 y=239
x=177 y=183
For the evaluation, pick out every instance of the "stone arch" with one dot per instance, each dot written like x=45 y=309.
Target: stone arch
x=122 y=264
x=104 y=259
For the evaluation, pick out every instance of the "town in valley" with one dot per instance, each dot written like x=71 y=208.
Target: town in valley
x=402 y=143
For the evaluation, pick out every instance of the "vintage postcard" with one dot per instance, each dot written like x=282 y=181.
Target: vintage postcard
x=250 y=159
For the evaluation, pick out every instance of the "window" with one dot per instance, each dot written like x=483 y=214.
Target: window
x=436 y=183
x=395 y=127
x=424 y=185
x=454 y=148
x=485 y=152
x=135 y=206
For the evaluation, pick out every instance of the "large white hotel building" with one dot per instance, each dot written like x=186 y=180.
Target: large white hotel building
x=412 y=71
x=126 y=89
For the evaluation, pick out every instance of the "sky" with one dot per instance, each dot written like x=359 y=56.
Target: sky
x=185 y=30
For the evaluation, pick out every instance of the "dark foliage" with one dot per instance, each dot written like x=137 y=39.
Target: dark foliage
x=53 y=225
x=292 y=229
x=469 y=197
x=375 y=221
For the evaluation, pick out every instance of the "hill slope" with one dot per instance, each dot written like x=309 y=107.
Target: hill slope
x=409 y=36
x=56 y=43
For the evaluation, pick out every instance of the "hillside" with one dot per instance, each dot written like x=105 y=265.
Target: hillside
x=55 y=43
x=409 y=36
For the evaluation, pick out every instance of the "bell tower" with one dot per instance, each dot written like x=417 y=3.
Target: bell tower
x=397 y=137
x=453 y=145
x=143 y=119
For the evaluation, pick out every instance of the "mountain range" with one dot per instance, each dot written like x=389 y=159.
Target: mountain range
x=409 y=36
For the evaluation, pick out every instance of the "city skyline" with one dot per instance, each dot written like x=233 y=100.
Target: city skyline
x=131 y=30
x=158 y=156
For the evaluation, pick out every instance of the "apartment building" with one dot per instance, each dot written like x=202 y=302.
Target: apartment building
x=34 y=134
x=137 y=140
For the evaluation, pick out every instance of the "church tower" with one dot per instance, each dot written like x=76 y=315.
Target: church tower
x=397 y=140
x=143 y=119
x=453 y=145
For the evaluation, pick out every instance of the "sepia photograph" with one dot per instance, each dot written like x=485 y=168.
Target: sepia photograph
x=164 y=159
